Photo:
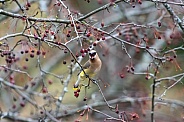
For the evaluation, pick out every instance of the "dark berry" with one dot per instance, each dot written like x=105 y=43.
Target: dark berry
x=159 y=24
x=26 y=51
x=43 y=53
x=94 y=44
x=44 y=90
x=22 y=52
x=32 y=55
x=38 y=52
x=64 y=62
x=27 y=59
x=102 y=24
x=22 y=104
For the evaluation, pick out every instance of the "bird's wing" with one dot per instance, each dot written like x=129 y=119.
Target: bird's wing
x=86 y=65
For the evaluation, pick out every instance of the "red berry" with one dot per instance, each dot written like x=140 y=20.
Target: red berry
x=28 y=4
x=117 y=111
x=78 y=90
x=33 y=83
x=78 y=27
x=86 y=50
x=44 y=90
x=72 y=25
x=94 y=44
x=26 y=51
x=82 y=51
x=76 y=95
x=52 y=32
x=50 y=82
x=14 y=106
x=102 y=24
x=46 y=31
x=68 y=35
x=83 y=54
x=88 y=34
x=32 y=55
x=43 y=53
x=22 y=104
x=122 y=75
x=159 y=24
x=38 y=52
x=139 y=1
x=103 y=37
x=24 y=67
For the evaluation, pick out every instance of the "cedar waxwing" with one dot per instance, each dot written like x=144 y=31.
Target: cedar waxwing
x=91 y=67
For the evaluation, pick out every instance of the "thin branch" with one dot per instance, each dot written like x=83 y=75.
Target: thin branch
x=173 y=14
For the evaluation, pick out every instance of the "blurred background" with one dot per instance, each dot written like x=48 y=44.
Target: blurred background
x=44 y=73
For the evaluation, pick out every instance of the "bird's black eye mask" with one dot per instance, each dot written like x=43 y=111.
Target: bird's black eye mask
x=92 y=54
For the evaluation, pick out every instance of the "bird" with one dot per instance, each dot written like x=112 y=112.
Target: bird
x=90 y=69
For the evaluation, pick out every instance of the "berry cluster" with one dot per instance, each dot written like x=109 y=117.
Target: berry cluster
x=76 y=92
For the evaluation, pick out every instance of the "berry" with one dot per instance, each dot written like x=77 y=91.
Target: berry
x=52 y=32
x=26 y=51
x=94 y=44
x=22 y=104
x=122 y=75
x=83 y=54
x=117 y=111
x=24 y=67
x=102 y=24
x=159 y=37
x=65 y=51
x=88 y=34
x=33 y=83
x=103 y=37
x=82 y=51
x=78 y=90
x=38 y=52
x=159 y=24
x=139 y=1
x=22 y=52
x=64 y=62
x=32 y=51
x=76 y=95
x=85 y=98
x=68 y=35
x=78 y=27
x=43 y=53
x=44 y=90
x=72 y=25
x=32 y=55
x=14 y=106
x=50 y=82
x=35 y=37
x=26 y=59
x=41 y=112
x=28 y=4
x=46 y=31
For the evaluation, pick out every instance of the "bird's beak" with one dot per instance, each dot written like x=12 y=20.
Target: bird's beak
x=91 y=57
